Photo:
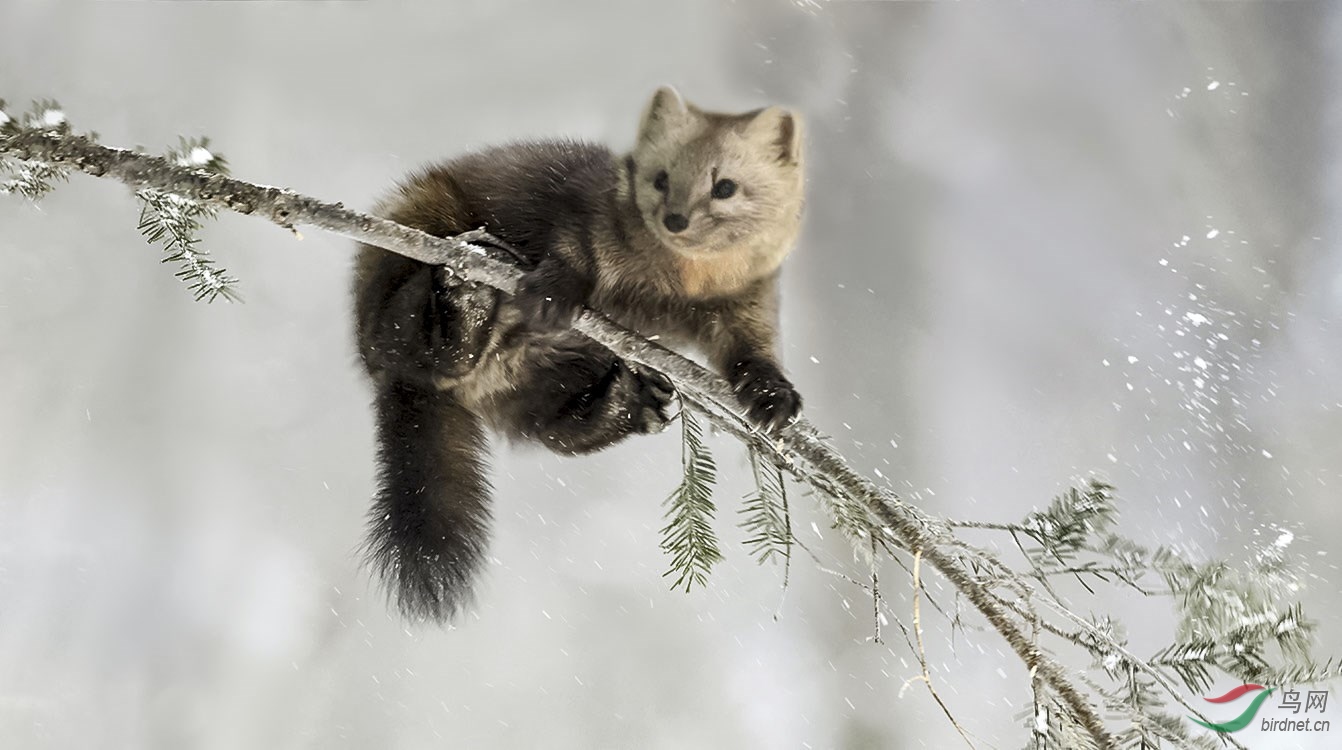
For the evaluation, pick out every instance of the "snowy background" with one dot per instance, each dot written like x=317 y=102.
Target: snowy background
x=1043 y=240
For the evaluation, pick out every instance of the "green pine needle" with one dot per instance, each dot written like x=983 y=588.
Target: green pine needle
x=688 y=535
x=1070 y=522
x=765 y=514
x=851 y=517
x=175 y=221
x=31 y=179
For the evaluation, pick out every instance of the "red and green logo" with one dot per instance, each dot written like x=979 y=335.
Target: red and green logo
x=1244 y=719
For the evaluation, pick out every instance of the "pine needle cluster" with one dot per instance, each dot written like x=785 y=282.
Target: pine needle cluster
x=175 y=222
x=33 y=178
x=167 y=218
x=688 y=536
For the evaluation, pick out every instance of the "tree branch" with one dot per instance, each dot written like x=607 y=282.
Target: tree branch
x=799 y=447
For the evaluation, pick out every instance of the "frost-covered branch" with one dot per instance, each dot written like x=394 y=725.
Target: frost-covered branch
x=1069 y=538
x=800 y=447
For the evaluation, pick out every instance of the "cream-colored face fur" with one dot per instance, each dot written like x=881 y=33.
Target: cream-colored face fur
x=682 y=152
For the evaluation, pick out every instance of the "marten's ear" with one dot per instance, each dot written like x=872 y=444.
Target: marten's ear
x=778 y=131
x=667 y=111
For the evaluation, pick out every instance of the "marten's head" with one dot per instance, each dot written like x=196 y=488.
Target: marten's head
x=706 y=182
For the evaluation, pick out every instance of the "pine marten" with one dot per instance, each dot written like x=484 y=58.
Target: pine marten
x=682 y=237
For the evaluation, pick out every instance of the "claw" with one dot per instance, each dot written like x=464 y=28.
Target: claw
x=769 y=399
x=656 y=392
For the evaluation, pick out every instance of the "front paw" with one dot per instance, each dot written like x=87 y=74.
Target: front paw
x=768 y=397
x=653 y=394
x=548 y=304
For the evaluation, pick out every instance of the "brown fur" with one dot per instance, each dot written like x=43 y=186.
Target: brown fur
x=659 y=253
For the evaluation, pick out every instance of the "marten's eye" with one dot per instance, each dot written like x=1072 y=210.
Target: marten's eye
x=724 y=188
x=661 y=181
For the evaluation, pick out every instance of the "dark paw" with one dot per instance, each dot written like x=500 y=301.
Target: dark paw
x=769 y=398
x=652 y=403
x=547 y=304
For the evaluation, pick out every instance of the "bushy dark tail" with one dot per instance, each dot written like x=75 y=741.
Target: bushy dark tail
x=430 y=520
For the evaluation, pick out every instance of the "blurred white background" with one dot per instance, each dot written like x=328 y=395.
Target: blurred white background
x=1043 y=240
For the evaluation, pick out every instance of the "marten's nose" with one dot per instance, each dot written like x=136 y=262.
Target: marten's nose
x=676 y=222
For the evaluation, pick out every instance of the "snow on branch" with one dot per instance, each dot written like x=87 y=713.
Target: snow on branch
x=1227 y=621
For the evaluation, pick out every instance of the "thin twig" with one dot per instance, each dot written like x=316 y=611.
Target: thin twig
x=926 y=676
x=881 y=601
x=875 y=595
x=787 y=556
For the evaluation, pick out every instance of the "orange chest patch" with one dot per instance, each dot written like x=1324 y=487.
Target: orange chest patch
x=721 y=273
